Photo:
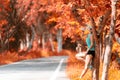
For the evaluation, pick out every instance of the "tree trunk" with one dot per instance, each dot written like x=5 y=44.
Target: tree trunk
x=27 y=40
x=51 y=42
x=59 y=39
x=107 y=58
x=1 y=43
x=43 y=40
x=95 y=72
x=22 y=45
x=101 y=46
x=104 y=45
x=109 y=42
x=32 y=37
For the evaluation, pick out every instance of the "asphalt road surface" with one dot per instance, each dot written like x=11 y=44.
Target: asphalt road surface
x=52 y=68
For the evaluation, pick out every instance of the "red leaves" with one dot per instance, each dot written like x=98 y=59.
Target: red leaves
x=3 y=22
x=4 y=4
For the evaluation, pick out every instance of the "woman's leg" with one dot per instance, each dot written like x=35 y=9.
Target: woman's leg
x=80 y=56
x=87 y=61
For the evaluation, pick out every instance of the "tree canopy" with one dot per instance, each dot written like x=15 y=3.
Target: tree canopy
x=70 y=15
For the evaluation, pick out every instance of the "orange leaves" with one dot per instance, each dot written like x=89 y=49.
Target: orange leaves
x=0 y=9
x=3 y=22
x=52 y=19
x=97 y=7
x=116 y=47
x=114 y=74
x=11 y=39
x=5 y=4
x=74 y=23
x=42 y=2
x=62 y=15
x=75 y=67
x=8 y=57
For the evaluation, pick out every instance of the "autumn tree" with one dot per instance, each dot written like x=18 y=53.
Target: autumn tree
x=26 y=20
x=15 y=27
x=109 y=38
x=99 y=20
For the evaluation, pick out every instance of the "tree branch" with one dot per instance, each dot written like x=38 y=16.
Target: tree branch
x=93 y=24
x=103 y=21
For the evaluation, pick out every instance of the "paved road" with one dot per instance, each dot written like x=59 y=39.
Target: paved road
x=52 y=68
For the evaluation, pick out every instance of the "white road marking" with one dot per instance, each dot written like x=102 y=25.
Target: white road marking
x=54 y=76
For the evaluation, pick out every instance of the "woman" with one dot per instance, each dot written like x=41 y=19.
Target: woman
x=90 y=53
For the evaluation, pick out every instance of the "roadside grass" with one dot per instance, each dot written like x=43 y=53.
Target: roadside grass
x=10 y=57
x=74 y=69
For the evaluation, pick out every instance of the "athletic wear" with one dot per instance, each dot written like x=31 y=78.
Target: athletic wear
x=91 y=53
x=92 y=50
x=89 y=42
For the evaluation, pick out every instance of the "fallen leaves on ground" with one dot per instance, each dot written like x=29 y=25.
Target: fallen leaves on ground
x=8 y=57
x=75 y=67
